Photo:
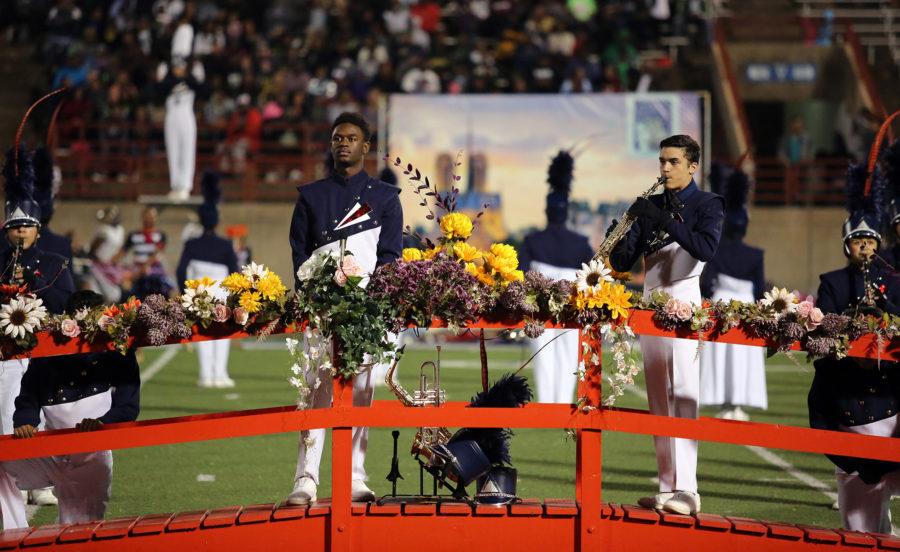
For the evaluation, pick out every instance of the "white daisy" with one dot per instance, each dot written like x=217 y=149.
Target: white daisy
x=591 y=274
x=779 y=300
x=22 y=316
x=254 y=271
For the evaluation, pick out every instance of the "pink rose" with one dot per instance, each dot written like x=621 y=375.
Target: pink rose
x=671 y=308
x=348 y=267
x=221 y=313
x=815 y=318
x=804 y=308
x=241 y=316
x=340 y=277
x=104 y=322
x=685 y=311
x=69 y=328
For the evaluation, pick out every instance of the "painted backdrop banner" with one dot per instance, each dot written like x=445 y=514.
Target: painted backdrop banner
x=507 y=142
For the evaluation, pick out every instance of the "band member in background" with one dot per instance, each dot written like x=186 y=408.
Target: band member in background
x=212 y=256
x=353 y=206
x=31 y=270
x=677 y=232
x=180 y=85
x=734 y=376
x=556 y=252
x=860 y=395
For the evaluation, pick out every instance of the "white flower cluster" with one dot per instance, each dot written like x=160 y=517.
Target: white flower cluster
x=199 y=301
x=22 y=316
x=311 y=358
x=625 y=359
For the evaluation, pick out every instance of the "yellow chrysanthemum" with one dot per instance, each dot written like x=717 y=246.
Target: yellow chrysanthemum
x=472 y=269
x=501 y=265
x=466 y=252
x=271 y=287
x=505 y=251
x=456 y=226
x=412 y=254
x=484 y=277
x=429 y=254
x=619 y=301
x=206 y=281
x=513 y=276
x=236 y=283
x=249 y=301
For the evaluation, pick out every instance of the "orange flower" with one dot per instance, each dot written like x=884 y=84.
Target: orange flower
x=132 y=304
x=112 y=311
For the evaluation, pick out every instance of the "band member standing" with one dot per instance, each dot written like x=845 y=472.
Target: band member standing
x=556 y=252
x=677 y=232
x=375 y=238
x=212 y=256
x=44 y=274
x=734 y=376
x=860 y=395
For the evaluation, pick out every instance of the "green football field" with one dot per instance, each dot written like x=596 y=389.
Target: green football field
x=734 y=480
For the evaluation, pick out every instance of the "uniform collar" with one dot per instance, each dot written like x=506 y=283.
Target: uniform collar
x=356 y=179
x=686 y=192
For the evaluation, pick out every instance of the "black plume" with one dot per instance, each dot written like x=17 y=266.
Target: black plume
x=736 y=191
x=856 y=188
x=209 y=187
x=718 y=173
x=891 y=162
x=559 y=175
x=19 y=187
x=510 y=391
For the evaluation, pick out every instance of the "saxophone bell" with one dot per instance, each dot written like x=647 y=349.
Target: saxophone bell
x=617 y=233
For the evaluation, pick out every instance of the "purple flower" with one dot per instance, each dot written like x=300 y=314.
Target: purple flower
x=819 y=346
x=533 y=328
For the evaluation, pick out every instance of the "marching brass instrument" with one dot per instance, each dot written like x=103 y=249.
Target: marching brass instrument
x=426 y=437
x=17 y=268
x=624 y=226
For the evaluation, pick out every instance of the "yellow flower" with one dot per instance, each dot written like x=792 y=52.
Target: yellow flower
x=412 y=254
x=484 y=277
x=505 y=251
x=249 y=301
x=619 y=301
x=236 y=283
x=466 y=252
x=501 y=265
x=270 y=286
x=206 y=281
x=431 y=253
x=456 y=226
x=513 y=276
x=472 y=269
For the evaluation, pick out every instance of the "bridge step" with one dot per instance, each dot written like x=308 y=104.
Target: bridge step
x=527 y=525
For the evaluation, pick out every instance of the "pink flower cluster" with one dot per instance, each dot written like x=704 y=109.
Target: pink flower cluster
x=241 y=316
x=681 y=310
x=809 y=314
x=221 y=313
x=70 y=328
x=348 y=267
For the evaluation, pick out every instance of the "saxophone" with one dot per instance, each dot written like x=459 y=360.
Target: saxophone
x=623 y=227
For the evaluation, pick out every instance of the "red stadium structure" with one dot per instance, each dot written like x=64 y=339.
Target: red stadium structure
x=586 y=523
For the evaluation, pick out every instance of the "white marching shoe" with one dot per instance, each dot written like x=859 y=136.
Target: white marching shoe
x=360 y=492
x=684 y=502
x=655 y=502
x=223 y=383
x=304 y=492
x=43 y=497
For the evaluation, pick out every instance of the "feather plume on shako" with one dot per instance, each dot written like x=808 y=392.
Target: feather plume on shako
x=208 y=211
x=865 y=211
x=510 y=391
x=890 y=162
x=18 y=174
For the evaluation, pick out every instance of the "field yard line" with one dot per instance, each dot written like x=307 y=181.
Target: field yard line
x=157 y=365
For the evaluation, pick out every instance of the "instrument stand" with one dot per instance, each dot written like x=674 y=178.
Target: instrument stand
x=458 y=492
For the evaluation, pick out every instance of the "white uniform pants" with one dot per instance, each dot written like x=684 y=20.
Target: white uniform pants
x=82 y=482
x=181 y=147
x=11 y=503
x=213 y=359
x=556 y=365
x=310 y=457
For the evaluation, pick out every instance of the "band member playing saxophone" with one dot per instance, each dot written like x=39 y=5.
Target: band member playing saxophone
x=677 y=232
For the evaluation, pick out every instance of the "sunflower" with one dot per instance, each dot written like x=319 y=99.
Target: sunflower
x=270 y=287
x=465 y=252
x=618 y=301
x=472 y=269
x=412 y=254
x=236 y=283
x=591 y=276
x=484 y=277
x=456 y=226
x=249 y=301
x=22 y=316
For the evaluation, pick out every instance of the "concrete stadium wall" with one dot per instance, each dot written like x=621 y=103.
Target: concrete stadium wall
x=800 y=243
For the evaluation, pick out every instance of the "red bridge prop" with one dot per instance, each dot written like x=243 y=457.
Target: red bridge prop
x=586 y=523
